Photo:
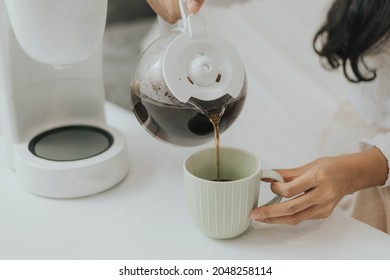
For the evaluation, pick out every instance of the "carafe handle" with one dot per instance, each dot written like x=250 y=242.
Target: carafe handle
x=195 y=24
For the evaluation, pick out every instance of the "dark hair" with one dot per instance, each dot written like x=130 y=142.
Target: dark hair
x=351 y=30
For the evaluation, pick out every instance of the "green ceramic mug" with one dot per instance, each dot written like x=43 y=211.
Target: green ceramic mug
x=220 y=209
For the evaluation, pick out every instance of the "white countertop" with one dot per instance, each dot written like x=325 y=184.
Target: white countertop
x=145 y=217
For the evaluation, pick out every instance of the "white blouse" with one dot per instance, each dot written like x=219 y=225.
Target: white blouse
x=372 y=102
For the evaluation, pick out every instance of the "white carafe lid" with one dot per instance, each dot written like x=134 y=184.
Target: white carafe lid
x=200 y=64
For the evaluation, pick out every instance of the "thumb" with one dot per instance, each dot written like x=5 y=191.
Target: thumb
x=194 y=5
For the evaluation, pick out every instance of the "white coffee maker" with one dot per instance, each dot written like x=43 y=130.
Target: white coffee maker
x=52 y=117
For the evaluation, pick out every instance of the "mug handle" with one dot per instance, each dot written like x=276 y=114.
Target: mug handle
x=271 y=174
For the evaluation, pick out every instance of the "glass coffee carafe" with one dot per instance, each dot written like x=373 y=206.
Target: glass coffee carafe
x=188 y=83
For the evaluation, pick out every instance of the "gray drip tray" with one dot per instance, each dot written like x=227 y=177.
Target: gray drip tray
x=70 y=143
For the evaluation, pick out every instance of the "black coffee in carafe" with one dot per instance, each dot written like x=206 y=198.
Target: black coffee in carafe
x=185 y=124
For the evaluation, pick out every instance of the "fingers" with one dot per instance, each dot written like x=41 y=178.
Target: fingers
x=295 y=183
x=311 y=204
x=290 y=211
x=194 y=5
x=172 y=11
x=292 y=173
x=298 y=186
x=311 y=213
x=169 y=9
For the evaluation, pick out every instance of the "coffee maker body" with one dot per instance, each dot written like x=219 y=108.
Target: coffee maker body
x=52 y=120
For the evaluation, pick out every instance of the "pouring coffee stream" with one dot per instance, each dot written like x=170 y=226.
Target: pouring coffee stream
x=190 y=84
x=214 y=115
x=215 y=118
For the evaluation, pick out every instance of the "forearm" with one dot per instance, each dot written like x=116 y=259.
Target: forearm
x=365 y=169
